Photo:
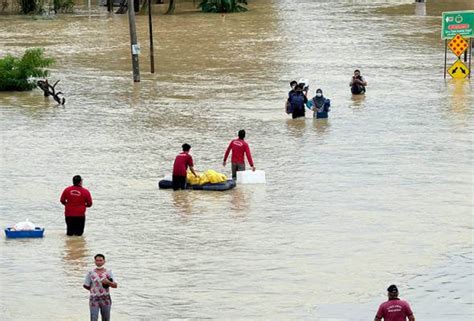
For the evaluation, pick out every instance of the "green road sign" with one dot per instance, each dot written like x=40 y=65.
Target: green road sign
x=457 y=22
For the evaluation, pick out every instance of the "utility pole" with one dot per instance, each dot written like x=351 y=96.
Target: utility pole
x=150 y=24
x=133 y=41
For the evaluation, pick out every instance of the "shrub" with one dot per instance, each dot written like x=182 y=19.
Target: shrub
x=222 y=5
x=17 y=73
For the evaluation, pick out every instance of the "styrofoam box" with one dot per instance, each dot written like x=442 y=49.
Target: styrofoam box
x=251 y=177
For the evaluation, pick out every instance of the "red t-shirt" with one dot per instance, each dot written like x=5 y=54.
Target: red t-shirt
x=239 y=147
x=181 y=163
x=394 y=310
x=76 y=199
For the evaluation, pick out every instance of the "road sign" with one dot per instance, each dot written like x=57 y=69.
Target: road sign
x=457 y=22
x=458 y=70
x=458 y=45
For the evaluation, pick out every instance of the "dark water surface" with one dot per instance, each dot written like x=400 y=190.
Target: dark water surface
x=380 y=193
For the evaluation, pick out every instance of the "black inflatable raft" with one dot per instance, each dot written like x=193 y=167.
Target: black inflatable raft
x=229 y=184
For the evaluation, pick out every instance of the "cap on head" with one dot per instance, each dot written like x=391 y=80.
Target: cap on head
x=186 y=147
x=76 y=180
x=392 y=289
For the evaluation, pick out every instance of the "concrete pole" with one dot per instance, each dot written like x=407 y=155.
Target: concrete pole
x=133 y=41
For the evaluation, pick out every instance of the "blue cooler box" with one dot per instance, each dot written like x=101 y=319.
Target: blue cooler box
x=12 y=234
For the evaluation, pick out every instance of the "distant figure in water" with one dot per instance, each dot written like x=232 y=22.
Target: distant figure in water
x=297 y=102
x=180 y=167
x=394 y=309
x=319 y=105
x=357 y=83
x=239 y=149
x=293 y=84
x=75 y=199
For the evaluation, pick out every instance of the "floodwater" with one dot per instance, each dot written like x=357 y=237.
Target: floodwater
x=380 y=193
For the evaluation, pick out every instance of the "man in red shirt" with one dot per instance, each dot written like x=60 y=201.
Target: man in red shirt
x=239 y=147
x=76 y=198
x=394 y=309
x=180 y=166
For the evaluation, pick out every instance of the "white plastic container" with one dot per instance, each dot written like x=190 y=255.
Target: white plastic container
x=251 y=177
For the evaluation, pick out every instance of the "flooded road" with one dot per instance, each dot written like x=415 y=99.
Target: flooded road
x=380 y=193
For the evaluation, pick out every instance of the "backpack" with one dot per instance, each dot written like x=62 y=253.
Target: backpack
x=297 y=102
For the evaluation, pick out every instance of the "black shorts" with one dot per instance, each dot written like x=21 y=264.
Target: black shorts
x=179 y=182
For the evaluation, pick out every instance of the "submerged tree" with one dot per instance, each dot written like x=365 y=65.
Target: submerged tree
x=18 y=73
x=223 y=5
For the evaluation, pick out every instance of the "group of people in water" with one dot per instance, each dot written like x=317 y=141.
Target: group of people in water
x=184 y=161
x=298 y=101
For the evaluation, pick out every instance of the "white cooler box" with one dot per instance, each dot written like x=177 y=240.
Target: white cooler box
x=251 y=177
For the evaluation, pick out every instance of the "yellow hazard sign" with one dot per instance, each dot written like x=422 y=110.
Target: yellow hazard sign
x=458 y=70
x=458 y=45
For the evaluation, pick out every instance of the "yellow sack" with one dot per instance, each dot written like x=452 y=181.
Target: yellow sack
x=191 y=179
x=208 y=176
x=215 y=177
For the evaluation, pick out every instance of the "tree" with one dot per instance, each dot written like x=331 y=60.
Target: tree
x=17 y=73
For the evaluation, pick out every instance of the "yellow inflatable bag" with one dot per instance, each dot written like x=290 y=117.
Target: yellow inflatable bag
x=208 y=176
x=191 y=179
x=215 y=177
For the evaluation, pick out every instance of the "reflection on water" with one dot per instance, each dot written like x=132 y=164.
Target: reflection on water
x=460 y=91
x=183 y=202
x=357 y=101
x=420 y=8
x=75 y=255
x=321 y=126
x=296 y=127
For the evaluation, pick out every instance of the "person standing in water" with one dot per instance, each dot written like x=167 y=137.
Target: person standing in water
x=394 y=309
x=180 y=167
x=357 y=83
x=75 y=199
x=239 y=148
x=98 y=282
x=319 y=104
x=297 y=102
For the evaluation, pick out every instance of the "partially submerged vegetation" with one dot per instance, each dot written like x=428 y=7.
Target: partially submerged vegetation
x=223 y=6
x=20 y=73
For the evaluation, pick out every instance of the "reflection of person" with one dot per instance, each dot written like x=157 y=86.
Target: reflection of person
x=297 y=102
x=239 y=148
x=180 y=166
x=75 y=199
x=98 y=281
x=319 y=104
x=394 y=309
x=357 y=83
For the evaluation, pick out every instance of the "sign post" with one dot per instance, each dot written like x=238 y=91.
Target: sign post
x=457 y=26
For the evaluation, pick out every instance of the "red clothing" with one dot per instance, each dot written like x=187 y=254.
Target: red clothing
x=239 y=147
x=394 y=310
x=76 y=199
x=181 y=163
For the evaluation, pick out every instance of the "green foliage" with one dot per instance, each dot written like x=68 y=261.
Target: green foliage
x=28 y=6
x=63 y=5
x=222 y=5
x=17 y=73
x=36 y=6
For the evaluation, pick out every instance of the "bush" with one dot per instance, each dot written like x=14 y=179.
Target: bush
x=17 y=73
x=222 y=5
x=28 y=6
